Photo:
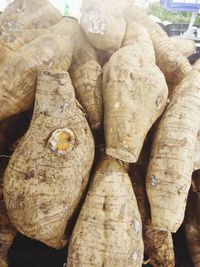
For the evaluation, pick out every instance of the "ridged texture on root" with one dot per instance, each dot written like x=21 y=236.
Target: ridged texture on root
x=172 y=63
x=86 y=75
x=172 y=156
x=134 y=94
x=49 y=169
x=108 y=231
x=158 y=245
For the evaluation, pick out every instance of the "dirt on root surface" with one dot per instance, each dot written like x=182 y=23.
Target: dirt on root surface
x=26 y=252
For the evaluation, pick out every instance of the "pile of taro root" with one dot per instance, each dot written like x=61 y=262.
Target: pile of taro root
x=99 y=134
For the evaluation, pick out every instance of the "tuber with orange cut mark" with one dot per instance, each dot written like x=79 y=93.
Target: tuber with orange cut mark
x=49 y=170
x=108 y=231
x=134 y=95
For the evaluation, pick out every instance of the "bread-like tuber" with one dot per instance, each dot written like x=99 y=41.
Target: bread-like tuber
x=134 y=94
x=49 y=169
x=28 y=14
x=108 y=231
x=172 y=156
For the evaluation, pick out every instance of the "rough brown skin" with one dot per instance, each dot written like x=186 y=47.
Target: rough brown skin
x=18 y=72
x=104 y=31
x=172 y=156
x=7 y=231
x=49 y=169
x=192 y=228
x=134 y=94
x=86 y=75
x=158 y=245
x=185 y=46
x=13 y=41
x=28 y=14
x=108 y=231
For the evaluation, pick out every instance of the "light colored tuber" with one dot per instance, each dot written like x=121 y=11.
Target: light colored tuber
x=49 y=169
x=13 y=41
x=134 y=94
x=86 y=75
x=104 y=31
x=172 y=63
x=185 y=46
x=28 y=14
x=62 y=45
x=158 y=245
x=108 y=231
x=172 y=156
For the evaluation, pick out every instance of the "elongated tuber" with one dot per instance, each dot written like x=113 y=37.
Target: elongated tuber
x=172 y=63
x=86 y=75
x=134 y=94
x=108 y=231
x=172 y=156
x=27 y=14
x=49 y=169
x=158 y=245
x=185 y=46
